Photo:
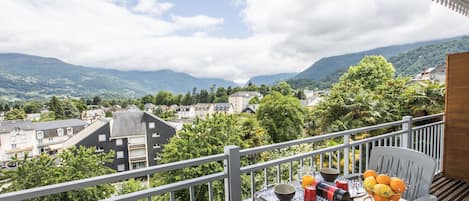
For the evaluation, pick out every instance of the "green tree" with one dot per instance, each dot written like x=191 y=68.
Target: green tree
x=96 y=100
x=6 y=107
x=15 y=114
x=47 y=116
x=284 y=88
x=130 y=186
x=55 y=106
x=164 y=98
x=254 y=100
x=148 y=99
x=187 y=100
x=71 y=164
x=204 y=96
x=282 y=116
x=70 y=110
x=427 y=98
x=370 y=72
x=204 y=138
x=32 y=107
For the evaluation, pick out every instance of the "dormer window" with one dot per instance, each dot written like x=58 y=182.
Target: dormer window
x=60 y=132
x=16 y=129
x=40 y=134
x=151 y=125
x=69 y=131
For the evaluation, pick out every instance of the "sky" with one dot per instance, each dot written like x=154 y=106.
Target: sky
x=229 y=39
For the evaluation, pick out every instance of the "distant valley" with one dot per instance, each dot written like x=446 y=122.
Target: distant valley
x=32 y=77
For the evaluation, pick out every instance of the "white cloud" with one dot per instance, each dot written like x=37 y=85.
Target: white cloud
x=286 y=35
x=151 y=7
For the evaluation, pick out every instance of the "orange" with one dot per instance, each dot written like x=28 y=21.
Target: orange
x=383 y=179
x=307 y=180
x=379 y=198
x=368 y=173
x=397 y=185
x=395 y=197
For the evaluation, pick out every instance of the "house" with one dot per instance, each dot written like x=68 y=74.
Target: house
x=240 y=99
x=137 y=138
x=185 y=112
x=2 y=115
x=149 y=107
x=91 y=116
x=132 y=108
x=251 y=108
x=204 y=109
x=437 y=73
x=33 y=116
x=223 y=108
x=51 y=135
x=311 y=101
x=15 y=138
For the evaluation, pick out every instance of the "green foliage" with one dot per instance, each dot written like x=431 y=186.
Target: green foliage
x=204 y=138
x=70 y=110
x=282 y=116
x=55 y=106
x=254 y=100
x=130 y=186
x=368 y=94
x=414 y=61
x=15 y=114
x=48 y=116
x=32 y=107
x=284 y=88
x=75 y=163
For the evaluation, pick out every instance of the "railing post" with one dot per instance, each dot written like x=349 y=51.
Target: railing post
x=406 y=138
x=233 y=170
x=346 y=154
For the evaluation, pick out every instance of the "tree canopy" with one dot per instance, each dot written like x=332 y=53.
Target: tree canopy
x=71 y=164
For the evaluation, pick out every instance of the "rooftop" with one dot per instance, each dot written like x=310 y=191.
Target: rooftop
x=59 y=124
x=127 y=124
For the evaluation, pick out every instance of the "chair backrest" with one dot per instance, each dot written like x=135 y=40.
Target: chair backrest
x=415 y=168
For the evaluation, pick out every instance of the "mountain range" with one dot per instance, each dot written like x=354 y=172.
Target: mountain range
x=25 y=76
x=32 y=77
x=329 y=65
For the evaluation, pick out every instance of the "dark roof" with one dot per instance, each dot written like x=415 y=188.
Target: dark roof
x=7 y=126
x=59 y=124
x=127 y=124
x=245 y=94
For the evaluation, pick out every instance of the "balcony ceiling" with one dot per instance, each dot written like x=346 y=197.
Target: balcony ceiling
x=460 y=6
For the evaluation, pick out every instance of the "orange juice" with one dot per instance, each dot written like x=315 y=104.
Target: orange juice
x=307 y=180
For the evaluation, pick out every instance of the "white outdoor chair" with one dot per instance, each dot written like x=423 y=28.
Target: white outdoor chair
x=416 y=168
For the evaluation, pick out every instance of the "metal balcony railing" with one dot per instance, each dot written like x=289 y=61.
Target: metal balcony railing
x=350 y=155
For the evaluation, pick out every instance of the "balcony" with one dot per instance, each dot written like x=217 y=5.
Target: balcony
x=423 y=134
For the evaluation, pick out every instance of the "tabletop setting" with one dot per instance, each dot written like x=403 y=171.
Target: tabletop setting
x=329 y=185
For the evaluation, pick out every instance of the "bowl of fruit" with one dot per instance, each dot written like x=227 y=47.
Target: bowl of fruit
x=383 y=187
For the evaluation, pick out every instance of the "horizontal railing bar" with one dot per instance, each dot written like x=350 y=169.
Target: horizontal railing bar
x=317 y=138
x=93 y=181
x=433 y=116
x=427 y=125
x=271 y=163
x=169 y=187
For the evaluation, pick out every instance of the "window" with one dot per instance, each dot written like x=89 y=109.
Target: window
x=102 y=137
x=120 y=154
x=51 y=139
x=69 y=131
x=151 y=125
x=16 y=129
x=40 y=134
x=99 y=149
x=13 y=146
x=138 y=165
x=121 y=167
x=60 y=132
x=156 y=146
x=39 y=141
x=119 y=142
x=155 y=135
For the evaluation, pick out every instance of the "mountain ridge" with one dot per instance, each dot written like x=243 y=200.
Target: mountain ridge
x=28 y=76
x=329 y=65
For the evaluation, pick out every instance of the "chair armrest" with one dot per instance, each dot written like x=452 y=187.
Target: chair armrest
x=427 y=198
